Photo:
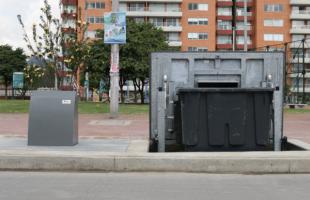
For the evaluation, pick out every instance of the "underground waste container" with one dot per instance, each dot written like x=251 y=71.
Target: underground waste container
x=225 y=119
x=53 y=118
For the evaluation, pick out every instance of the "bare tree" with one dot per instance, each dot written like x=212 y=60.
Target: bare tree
x=48 y=44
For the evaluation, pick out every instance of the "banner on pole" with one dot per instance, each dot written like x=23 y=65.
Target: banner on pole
x=115 y=28
x=18 y=80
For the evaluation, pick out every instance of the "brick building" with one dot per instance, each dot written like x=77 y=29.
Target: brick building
x=210 y=25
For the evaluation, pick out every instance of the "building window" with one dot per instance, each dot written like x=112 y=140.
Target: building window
x=156 y=7
x=273 y=8
x=224 y=25
x=274 y=22
x=94 y=5
x=91 y=20
x=197 y=21
x=198 y=6
x=224 y=11
x=273 y=37
x=140 y=7
x=173 y=7
x=91 y=34
x=138 y=19
x=199 y=49
x=172 y=22
x=157 y=21
x=173 y=37
x=224 y=40
x=240 y=40
x=95 y=20
x=197 y=36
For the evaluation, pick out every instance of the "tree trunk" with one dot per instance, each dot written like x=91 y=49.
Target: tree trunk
x=135 y=92
x=121 y=85
x=6 y=90
x=141 y=91
x=56 y=81
x=142 y=96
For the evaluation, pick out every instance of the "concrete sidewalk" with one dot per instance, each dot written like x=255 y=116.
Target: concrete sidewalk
x=16 y=144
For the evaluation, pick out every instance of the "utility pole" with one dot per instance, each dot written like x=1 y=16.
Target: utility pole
x=234 y=38
x=245 y=25
x=114 y=74
x=303 y=72
x=297 y=81
x=86 y=74
x=285 y=69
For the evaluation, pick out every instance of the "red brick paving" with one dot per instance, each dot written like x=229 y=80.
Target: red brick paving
x=296 y=126
x=17 y=124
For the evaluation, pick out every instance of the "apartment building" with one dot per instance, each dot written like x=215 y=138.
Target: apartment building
x=300 y=51
x=210 y=25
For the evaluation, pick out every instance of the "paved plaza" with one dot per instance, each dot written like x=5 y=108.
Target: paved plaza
x=134 y=127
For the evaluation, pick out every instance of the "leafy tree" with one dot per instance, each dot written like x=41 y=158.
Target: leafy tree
x=142 y=39
x=10 y=61
x=32 y=75
x=98 y=63
x=48 y=45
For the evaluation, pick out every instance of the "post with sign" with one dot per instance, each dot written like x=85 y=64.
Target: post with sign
x=114 y=34
x=18 y=81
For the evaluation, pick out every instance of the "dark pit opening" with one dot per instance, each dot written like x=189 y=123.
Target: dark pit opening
x=218 y=85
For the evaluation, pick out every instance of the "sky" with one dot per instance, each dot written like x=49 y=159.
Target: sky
x=10 y=30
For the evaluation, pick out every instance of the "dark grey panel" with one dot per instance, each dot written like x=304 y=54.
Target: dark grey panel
x=53 y=119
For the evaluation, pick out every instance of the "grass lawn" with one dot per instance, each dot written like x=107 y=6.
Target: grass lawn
x=296 y=111
x=21 y=106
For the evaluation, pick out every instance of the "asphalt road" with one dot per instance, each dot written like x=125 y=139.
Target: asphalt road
x=151 y=186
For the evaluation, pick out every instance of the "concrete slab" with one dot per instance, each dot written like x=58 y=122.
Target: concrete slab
x=85 y=145
x=300 y=144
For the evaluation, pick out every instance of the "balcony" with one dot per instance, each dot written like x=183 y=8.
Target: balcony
x=68 y=30
x=224 y=3
x=70 y=14
x=301 y=14
x=69 y=25
x=69 y=2
x=240 y=16
x=227 y=46
x=169 y=28
x=149 y=12
x=224 y=30
x=240 y=3
x=241 y=46
x=240 y=30
x=176 y=43
x=225 y=16
x=300 y=2
x=159 y=1
x=300 y=29
x=299 y=45
x=300 y=59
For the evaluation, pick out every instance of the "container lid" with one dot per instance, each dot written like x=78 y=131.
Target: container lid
x=245 y=90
